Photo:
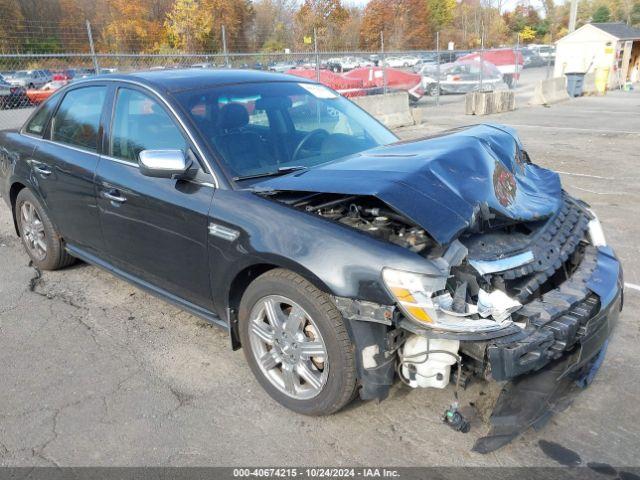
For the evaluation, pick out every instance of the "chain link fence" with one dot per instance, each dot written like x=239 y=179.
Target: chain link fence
x=27 y=79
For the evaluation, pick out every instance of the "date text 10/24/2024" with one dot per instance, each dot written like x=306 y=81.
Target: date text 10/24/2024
x=315 y=472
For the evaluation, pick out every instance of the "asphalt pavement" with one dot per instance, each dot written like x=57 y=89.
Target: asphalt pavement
x=97 y=372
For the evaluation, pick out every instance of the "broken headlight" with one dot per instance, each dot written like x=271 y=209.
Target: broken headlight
x=424 y=300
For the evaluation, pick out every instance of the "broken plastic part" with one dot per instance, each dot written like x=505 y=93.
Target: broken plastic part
x=531 y=400
x=496 y=304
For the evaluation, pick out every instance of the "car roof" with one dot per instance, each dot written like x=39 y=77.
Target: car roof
x=191 y=78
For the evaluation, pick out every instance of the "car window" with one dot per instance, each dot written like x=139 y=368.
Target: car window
x=308 y=113
x=141 y=123
x=256 y=115
x=258 y=128
x=77 y=120
x=39 y=121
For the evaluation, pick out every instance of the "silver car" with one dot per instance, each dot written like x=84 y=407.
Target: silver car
x=461 y=77
x=29 y=78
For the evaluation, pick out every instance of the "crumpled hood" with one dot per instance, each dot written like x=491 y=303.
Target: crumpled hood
x=441 y=183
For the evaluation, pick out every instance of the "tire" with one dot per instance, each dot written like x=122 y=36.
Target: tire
x=334 y=374
x=508 y=79
x=37 y=231
x=432 y=90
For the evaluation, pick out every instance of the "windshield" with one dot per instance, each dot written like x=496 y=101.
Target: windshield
x=270 y=127
x=21 y=74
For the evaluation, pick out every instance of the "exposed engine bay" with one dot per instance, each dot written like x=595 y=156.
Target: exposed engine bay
x=515 y=297
x=366 y=214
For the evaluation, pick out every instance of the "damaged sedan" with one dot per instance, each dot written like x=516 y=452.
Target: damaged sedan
x=341 y=259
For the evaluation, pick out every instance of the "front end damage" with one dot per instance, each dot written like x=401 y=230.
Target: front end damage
x=528 y=290
x=540 y=326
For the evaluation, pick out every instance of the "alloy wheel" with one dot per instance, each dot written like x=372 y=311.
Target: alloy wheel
x=288 y=347
x=33 y=231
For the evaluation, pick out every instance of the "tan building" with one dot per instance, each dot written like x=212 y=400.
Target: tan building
x=604 y=46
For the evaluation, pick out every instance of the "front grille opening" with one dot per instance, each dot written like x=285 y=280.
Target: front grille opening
x=533 y=286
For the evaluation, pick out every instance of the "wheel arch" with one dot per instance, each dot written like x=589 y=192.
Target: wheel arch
x=15 y=189
x=246 y=275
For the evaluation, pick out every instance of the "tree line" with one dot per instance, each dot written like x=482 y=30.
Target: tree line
x=167 y=26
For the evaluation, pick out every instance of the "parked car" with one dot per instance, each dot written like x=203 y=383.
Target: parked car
x=12 y=96
x=204 y=65
x=462 y=76
x=547 y=52
x=425 y=59
x=40 y=95
x=532 y=59
x=281 y=67
x=346 y=64
x=84 y=73
x=401 y=61
x=63 y=75
x=508 y=61
x=337 y=257
x=29 y=78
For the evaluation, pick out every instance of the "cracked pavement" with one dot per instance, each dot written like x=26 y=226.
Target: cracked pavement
x=97 y=372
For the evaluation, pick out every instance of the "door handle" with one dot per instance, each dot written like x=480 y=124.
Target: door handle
x=42 y=170
x=113 y=196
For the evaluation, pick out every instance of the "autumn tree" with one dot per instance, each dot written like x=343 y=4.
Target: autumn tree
x=235 y=15
x=404 y=24
x=10 y=25
x=189 y=26
x=271 y=26
x=327 y=17
x=441 y=12
x=130 y=27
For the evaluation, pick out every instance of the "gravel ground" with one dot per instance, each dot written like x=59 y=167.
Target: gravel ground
x=96 y=372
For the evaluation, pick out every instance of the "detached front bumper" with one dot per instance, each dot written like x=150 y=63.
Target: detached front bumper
x=575 y=317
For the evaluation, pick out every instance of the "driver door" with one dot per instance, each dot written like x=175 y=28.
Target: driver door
x=155 y=229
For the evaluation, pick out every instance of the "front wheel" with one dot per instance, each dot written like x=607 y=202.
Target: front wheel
x=296 y=343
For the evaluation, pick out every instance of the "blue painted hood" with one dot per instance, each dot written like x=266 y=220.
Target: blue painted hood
x=440 y=183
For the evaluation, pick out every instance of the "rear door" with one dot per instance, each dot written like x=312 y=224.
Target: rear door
x=65 y=163
x=154 y=228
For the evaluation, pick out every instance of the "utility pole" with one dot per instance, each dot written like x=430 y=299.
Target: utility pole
x=438 y=68
x=573 y=15
x=224 y=47
x=315 y=49
x=480 y=87
x=96 y=67
x=515 y=79
x=384 y=68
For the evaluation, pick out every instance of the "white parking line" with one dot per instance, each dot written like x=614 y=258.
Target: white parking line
x=584 y=175
x=632 y=286
x=574 y=129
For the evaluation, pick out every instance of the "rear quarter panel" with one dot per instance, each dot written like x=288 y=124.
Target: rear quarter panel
x=15 y=152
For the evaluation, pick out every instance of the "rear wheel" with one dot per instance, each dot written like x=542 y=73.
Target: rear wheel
x=296 y=344
x=39 y=237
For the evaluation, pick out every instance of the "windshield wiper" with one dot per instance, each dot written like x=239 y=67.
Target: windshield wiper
x=280 y=171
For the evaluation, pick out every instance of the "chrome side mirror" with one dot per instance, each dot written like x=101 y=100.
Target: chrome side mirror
x=163 y=163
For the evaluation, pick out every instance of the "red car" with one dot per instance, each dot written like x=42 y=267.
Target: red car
x=366 y=80
x=396 y=80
